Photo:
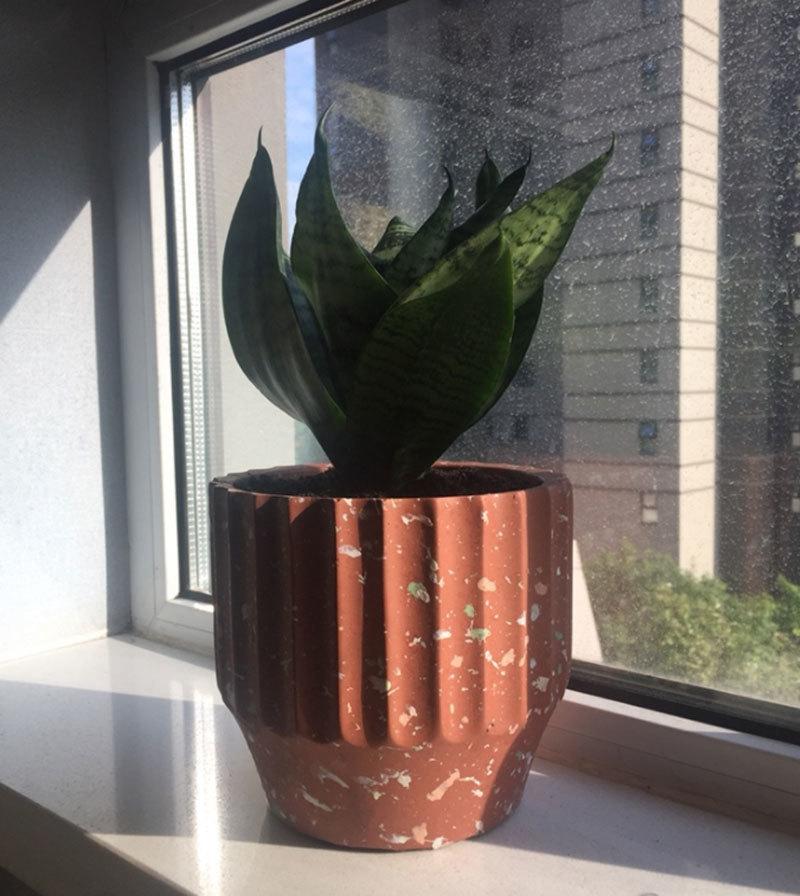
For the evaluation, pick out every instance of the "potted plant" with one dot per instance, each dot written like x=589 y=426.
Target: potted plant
x=392 y=634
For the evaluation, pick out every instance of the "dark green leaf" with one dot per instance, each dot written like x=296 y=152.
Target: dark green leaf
x=526 y=317
x=488 y=179
x=429 y=368
x=495 y=205
x=346 y=291
x=259 y=313
x=424 y=249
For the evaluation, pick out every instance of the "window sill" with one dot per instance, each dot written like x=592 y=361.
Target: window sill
x=123 y=773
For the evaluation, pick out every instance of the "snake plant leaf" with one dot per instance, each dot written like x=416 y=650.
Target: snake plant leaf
x=396 y=235
x=431 y=366
x=425 y=248
x=346 y=291
x=526 y=317
x=537 y=232
x=259 y=314
x=488 y=179
x=495 y=205
x=311 y=331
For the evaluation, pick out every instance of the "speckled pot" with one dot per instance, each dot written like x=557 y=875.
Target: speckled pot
x=392 y=662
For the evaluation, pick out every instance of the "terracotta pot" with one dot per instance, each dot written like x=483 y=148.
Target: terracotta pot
x=392 y=662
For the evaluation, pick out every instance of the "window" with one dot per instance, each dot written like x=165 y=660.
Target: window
x=648 y=365
x=796 y=438
x=648 y=438
x=649 y=73
x=648 y=295
x=648 y=147
x=648 y=222
x=796 y=504
x=649 y=504
x=405 y=100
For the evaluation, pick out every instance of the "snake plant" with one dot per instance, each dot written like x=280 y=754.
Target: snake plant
x=389 y=354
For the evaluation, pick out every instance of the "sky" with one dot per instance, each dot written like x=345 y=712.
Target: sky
x=301 y=117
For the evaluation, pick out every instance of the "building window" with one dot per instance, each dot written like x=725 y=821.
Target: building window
x=648 y=147
x=648 y=437
x=520 y=427
x=649 y=73
x=650 y=8
x=648 y=365
x=649 y=507
x=796 y=239
x=796 y=365
x=648 y=221
x=648 y=295
x=796 y=307
x=796 y=504
x=796 y=438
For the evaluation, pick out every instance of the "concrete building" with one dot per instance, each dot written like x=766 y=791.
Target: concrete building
x=619 y=386
x=759 y=382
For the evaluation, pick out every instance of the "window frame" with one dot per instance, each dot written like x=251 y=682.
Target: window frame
x=176 y=34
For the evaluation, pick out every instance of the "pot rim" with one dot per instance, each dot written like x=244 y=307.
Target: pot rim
x=537 y=478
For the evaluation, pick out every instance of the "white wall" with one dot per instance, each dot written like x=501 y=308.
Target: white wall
x=63 y=540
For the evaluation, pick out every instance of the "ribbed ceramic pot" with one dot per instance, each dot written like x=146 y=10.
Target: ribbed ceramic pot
x=392 y=662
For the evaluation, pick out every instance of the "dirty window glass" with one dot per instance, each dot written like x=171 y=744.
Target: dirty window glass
x=664 y=378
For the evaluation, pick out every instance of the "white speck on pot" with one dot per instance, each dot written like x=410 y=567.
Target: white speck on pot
x=349 y=550
x=485 y=584
x=442 y=634
x=535 y=611
x=325 y=774
x=314 y=801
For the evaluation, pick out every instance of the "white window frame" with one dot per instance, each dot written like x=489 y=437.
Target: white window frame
x=736 y=773
x=139 y=43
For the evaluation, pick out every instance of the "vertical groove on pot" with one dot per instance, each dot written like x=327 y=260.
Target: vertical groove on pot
x=316 y=666
x=243 y=577
x=274 y=615
x=351 y=579
x=540 y=588
x=409 y=605
x=373 y=635
x=499 y=588
x=459 y=657
x=560 y=522
x=522 y=583
x=220 y=563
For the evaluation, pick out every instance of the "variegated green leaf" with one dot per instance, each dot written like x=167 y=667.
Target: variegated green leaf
x=488 y=179
x=396 y=235
x=537 y=232
x=260 y=316
x=425 y=248
x=494 y=207
x=430 y=367
x=346 y=291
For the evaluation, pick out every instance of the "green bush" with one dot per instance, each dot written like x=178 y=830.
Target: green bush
x=654 y=617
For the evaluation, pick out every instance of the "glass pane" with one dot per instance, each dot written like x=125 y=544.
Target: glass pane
x=663 y=378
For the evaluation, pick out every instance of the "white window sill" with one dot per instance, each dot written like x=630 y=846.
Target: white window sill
x=122 y=773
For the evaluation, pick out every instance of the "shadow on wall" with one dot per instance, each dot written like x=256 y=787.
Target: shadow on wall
x=59 y=339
